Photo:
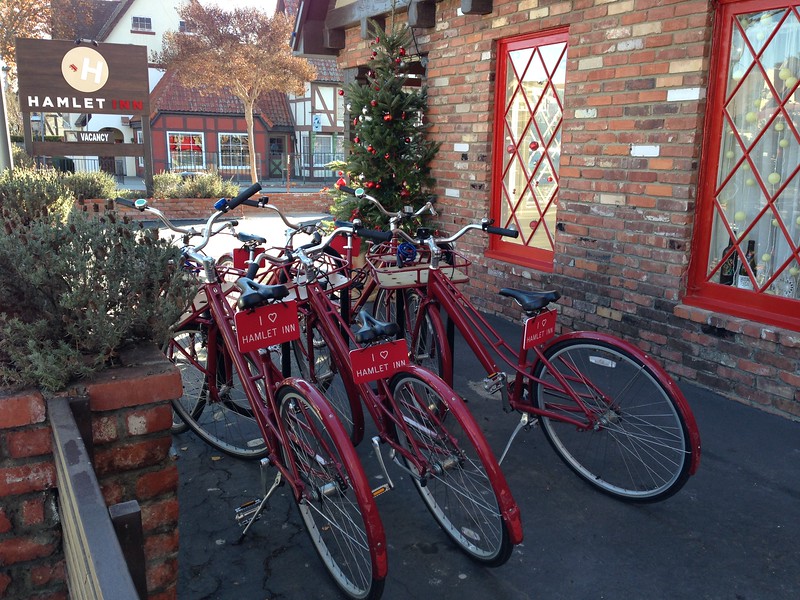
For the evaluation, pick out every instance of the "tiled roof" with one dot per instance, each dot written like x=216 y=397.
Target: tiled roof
x=170 y=95
x=91 y=28
x=327 y=69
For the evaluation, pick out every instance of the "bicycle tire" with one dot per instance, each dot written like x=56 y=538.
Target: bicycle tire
x=424 y=344
x=318 y=366
x=640 y=450
x=193 y=380
x=466 y=491
x=226 y=422
x=336 y=505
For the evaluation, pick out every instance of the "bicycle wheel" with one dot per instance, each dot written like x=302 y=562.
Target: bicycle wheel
x=336 y=504
x=426 y=345
x=219 y=414
x=317 y=366
x=638 y=448
x=463 y=487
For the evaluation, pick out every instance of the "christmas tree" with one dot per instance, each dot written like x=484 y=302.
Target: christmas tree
x=389 y=155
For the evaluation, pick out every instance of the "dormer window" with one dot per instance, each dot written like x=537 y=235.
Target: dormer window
x=141 y=24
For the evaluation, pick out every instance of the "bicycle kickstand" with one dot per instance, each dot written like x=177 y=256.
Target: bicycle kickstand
x=525 y=422
x=250 y=512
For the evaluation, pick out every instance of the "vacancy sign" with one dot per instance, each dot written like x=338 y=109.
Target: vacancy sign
x=267 y=326
x=378 y=362
x=539 y=329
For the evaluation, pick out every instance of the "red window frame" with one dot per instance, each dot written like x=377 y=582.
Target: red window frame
x=702 y=288
x=544 y=166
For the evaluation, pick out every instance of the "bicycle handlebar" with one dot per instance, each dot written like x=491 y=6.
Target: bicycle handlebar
x=501 y=231
x=394 y=218
x=365 y=232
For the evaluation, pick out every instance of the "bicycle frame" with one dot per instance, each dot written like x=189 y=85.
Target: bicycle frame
x=440 y=292
x=217 y=314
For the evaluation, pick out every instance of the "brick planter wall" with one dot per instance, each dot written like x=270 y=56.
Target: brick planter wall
x=131 y=418
x=201 y=208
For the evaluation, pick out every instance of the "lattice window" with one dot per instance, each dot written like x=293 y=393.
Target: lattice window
x=527 y=147
x=749 y=260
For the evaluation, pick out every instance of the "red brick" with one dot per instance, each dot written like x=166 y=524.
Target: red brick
x=45 y=574
x=5 y=523
x=131 y=456
x=152 y=420
x=24 y=408
x=23 y=479
x=161 y=546
x=17 y=550
x=160 y=514
x=162 y=575
x=33 y=512
x=29 y=442
x=104 y=429
x=5 y=581
x=151 y=485
x=144 y=386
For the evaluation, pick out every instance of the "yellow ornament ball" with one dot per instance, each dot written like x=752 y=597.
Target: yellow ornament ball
x=740 y=215
x=750 y=181
x=779 y=126
x=766 y=257
x=797 y=220
x=783 y=143
x=746 y=166
x=784 y=73
x=774 y=178
x=751 y=117
x=791 y=82
x=794 y=271
x=729 y=154
x=774 y=222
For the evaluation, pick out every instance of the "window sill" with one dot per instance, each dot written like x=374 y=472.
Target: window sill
x=143 y=32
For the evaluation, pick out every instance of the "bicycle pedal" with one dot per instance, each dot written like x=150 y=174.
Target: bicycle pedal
x=495 y=382
x=381 y=490
x=248 y=512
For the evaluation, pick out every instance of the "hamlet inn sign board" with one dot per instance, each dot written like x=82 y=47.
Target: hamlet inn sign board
x=67 y=77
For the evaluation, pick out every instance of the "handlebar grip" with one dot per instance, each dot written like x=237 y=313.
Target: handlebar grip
x=125 y=202
x=244 y=195
x=347 y=190
x=373 y=234
x=502 y=231
x=260 y=203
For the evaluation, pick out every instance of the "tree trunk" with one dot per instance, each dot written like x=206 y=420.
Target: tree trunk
x=251 y=139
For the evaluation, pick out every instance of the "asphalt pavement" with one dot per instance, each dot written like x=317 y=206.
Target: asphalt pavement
x=732 y=532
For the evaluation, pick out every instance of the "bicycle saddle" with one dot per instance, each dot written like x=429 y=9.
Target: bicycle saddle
x=255 y=294
x=373 y=329
x=531 y=301
x=250 y=238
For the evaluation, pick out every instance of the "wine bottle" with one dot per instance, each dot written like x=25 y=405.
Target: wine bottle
x=729 y=266
x=743 y=278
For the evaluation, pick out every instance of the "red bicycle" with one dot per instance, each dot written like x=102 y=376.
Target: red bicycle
x=430 y=434
x=236 y=400
x=609 y=410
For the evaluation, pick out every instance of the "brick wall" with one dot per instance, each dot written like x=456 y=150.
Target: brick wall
x=201 y=208
x=131 y=418
x=636 y=76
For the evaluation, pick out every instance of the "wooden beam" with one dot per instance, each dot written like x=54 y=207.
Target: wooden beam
x=353 y=14
x=477 y=7
x=422 y=14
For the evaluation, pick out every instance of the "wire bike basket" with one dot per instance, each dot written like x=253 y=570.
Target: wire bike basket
x=383 y=264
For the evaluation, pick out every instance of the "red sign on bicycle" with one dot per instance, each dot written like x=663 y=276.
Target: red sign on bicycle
x=378 y=362
x=267 y=326
x=242 y=255
x=539 y=329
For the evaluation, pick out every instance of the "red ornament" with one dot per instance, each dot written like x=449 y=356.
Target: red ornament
x=387 y=117
x=377 y=89
x=341 y=92
x=510 y=148
x=550 y=179
x=356 y=139
x=408 y=140
x=373 y=103
x=377 y=40
x=370 y=148
x=402 y=51
x=355 y=122
x=340 y=182
x=403 y=116
x=533 y=145
x=404 y=193
x=370 y=184
x=386 y=156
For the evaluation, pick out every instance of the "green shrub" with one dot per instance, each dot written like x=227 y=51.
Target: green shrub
x=199 y=185
x=30 y=193
x=74 y=292
x=97 y=184
x=21 y=158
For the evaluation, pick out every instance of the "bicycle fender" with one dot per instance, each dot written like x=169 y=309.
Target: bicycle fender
x=658 y=372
